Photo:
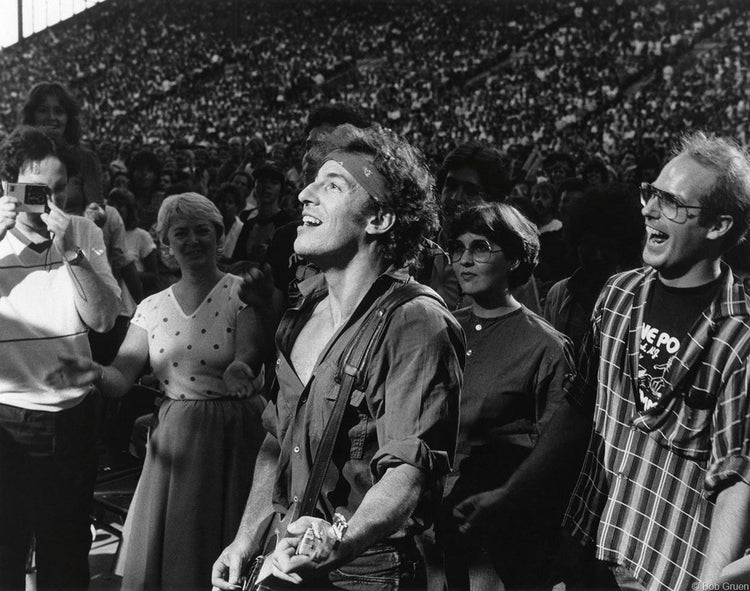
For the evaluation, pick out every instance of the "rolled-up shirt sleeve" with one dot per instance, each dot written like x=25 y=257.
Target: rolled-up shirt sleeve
x=730 y=444
x=416 y=400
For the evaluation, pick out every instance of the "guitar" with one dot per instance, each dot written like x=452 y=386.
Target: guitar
x=260 y=577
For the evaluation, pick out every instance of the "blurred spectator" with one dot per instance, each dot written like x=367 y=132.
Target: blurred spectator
x=50 y=106
x=605 y=231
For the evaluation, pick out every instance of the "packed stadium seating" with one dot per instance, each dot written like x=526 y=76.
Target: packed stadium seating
x=586 y=77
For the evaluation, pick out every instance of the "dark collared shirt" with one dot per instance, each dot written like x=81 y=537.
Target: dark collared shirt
x=647 y=489
x=408 y=413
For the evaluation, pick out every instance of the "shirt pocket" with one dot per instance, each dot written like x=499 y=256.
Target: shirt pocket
x=356 y=420
x=686 y=426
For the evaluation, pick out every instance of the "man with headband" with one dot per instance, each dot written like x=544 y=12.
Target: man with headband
x=364 y=219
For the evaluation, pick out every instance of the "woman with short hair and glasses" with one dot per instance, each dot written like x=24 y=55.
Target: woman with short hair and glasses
x=516 y=366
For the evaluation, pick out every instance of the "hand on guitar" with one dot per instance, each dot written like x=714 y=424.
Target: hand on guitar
x=226 y=572
x=301 y=555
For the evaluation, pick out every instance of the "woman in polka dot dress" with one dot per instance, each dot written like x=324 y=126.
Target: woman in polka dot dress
x=206 y=348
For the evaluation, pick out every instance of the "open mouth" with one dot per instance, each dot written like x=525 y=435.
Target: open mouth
x=656 y=237
x=308 y=220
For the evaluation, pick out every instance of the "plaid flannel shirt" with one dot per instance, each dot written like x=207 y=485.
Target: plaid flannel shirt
x=649 y=481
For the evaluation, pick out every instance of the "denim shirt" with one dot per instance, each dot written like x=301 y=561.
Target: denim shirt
x=408 y=413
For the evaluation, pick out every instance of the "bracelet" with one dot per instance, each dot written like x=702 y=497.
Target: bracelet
x=339 y=527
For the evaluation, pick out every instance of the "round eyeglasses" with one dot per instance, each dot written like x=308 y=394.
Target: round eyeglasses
x=670 y=205
x=479 y=250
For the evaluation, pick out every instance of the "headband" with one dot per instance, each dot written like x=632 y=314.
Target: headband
x=364 y=172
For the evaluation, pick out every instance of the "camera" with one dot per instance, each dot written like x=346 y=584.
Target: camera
x=32 y=197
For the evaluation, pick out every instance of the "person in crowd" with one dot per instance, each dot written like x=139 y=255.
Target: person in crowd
x=233 y=163
x=471 y=174
x=570 y=191
x=516 y=369
x=605 y=230
x=595 y=173
x=139 y=245
x=256 y=234
x=288 y=267
x=205 y=347
x=124 y=154
x=559 y=166
x=255 y=155
x=51 y=107
x=230 y=201
x=55 y=284
x=247 y=186
x=363 y=222
x=145 y=173
x=552 y=260
x=663 y=373
x=321 y=122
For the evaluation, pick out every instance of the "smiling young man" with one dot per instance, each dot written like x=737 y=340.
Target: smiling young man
x=363 y=221
x=662 y=499
x=55 y=284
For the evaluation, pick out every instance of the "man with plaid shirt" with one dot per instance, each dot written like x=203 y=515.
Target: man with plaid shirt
x=663 y=496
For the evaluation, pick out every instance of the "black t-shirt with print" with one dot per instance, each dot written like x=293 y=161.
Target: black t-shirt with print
x=670 y=313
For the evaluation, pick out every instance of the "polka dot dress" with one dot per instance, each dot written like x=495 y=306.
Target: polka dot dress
x=189 y=352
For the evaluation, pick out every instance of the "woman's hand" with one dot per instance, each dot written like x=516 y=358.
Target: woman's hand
x=238 y=378
x=74 y=372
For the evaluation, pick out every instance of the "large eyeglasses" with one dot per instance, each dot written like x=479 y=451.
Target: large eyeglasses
x=670 y=205
x=479 y=250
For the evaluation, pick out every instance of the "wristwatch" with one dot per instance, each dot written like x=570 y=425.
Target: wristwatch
x=74 y=257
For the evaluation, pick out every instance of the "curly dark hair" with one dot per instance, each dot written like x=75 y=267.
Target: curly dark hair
x=488 y=163
x=24 y=144
x=38 y=94
x=336 y=114
x=507 y=227
x=410 y=185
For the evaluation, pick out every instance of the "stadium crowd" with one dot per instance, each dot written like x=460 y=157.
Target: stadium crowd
x=189 y=152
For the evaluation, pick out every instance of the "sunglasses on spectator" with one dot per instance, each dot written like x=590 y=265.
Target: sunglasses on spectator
x=479 y=250
x=670 y=205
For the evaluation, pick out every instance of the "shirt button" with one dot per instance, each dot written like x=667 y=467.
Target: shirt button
x=468 y=353
x=278 y=362
x=303 y=399
x=478 y=327
x=296 y=449
x=295 y=498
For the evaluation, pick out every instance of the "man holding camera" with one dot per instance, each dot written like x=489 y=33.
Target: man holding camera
x=55 y=284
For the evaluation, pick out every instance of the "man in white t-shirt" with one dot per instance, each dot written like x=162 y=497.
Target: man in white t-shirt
x=55 y=285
